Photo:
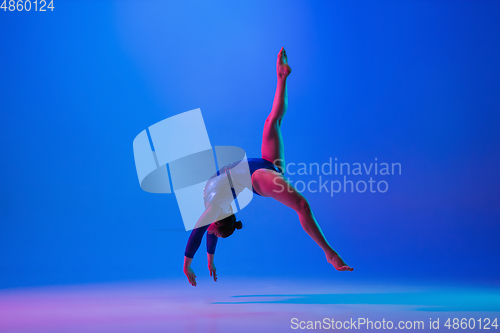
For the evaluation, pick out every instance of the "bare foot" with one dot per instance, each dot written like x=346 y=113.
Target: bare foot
x=282 y=68
x=336 y=260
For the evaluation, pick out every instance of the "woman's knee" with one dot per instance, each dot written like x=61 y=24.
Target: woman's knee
x=302 y=205
x=273 y=122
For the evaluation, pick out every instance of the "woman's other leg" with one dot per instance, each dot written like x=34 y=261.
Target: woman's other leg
x=272 y=141
x=269 y=183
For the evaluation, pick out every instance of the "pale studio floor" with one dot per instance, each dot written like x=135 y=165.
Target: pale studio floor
x=238 y=305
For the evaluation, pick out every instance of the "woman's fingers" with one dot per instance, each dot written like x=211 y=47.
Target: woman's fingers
x=192 y=279
x=213 y=274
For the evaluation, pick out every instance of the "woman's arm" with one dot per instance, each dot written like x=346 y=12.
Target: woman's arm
x=192 y=246
x=211 y=244
x=194 y=241
x=195 y=238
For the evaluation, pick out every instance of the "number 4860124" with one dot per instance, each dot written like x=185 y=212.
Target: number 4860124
x=27 y=5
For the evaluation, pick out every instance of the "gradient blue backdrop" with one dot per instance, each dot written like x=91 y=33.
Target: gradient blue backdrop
x=413 y=82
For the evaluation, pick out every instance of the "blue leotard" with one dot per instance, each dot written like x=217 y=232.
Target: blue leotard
x=255 y=164
x=211 y=189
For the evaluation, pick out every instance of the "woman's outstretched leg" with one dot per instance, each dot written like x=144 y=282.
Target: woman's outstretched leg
x=272 y=141
x=270 y=183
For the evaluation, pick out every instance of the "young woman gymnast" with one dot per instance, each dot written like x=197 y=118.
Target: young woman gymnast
x=268 y=180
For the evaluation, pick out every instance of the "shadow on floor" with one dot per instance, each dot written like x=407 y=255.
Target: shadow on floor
x=428 y=301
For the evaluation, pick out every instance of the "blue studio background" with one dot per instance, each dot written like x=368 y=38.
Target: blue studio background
x=410 y=82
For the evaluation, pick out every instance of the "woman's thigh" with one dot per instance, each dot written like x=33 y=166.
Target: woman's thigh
x=269 y=183
x=272 y=144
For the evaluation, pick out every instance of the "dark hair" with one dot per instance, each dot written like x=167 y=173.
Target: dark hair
x=227 y=225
